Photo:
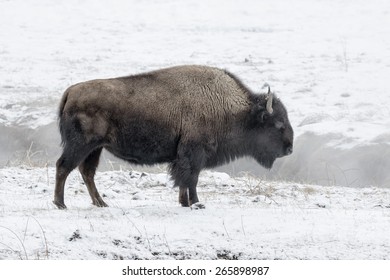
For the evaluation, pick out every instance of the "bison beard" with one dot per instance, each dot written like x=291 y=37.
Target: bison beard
x=191 y=117
x=266 y=162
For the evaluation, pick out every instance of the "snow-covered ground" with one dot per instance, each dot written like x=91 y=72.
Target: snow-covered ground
x=244 y=219
x=329 y=61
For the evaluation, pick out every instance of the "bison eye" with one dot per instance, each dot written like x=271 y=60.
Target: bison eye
x=279 y=125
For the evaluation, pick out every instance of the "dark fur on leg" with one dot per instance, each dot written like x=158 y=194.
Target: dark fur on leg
x=185 y=171
x=87 y=169
x=71 y=157
x=183 y=197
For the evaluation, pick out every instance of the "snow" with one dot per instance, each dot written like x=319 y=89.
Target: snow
x=244 y=218
x=328 y=61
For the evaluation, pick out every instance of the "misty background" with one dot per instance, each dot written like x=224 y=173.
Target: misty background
x=312 y=161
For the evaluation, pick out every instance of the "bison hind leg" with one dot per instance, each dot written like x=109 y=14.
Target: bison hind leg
x=72 y=156
x=65 y=164
x=88 y=169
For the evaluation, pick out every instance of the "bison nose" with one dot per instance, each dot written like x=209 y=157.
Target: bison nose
x=289 y=150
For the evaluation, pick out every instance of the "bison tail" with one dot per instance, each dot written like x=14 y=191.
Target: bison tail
x=61 y=119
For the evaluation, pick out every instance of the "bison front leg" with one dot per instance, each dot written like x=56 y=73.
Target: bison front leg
x=185 y=172
x=187 y=193
x=187 y=190
x=183 y=196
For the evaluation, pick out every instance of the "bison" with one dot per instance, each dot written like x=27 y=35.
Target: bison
x=191 y=117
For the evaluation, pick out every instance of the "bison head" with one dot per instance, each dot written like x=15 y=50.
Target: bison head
x=272 y=134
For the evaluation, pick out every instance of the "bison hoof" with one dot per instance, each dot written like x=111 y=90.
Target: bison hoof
x=184 y=203
x=197 y=206
x=60 y=205
x=99 y=203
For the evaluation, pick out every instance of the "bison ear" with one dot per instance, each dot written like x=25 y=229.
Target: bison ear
x=259 y=114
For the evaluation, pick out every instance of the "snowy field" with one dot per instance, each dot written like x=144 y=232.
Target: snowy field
x=244 y=219
x=328 y=61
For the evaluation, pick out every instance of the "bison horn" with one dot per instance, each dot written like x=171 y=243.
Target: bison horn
x=270 y=97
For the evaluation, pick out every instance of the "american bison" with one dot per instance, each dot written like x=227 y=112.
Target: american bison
x=191 y=117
